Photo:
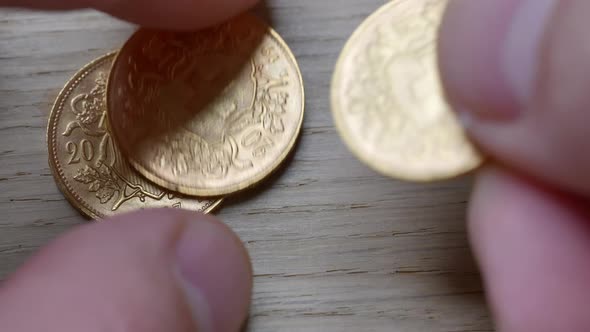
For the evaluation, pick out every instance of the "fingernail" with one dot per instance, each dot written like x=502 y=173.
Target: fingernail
x=490 y=51
x=215 y=275
x=521 y=50
x=198 y=304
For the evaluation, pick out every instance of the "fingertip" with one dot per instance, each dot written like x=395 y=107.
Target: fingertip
x=174 y=14
x=159 y=14
x=533 y=246
x=471 y=36
x=517 y=70
x=216 y=271
x=164 y=269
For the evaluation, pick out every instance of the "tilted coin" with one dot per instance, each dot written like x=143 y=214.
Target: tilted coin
x=85 y=160
x=387 y=98
x=210 y=112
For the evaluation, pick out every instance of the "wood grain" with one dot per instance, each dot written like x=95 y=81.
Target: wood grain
x=335 y=247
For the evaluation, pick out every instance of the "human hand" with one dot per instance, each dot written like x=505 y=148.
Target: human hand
x=518 y=72
x=171 y=14
x=159 y=270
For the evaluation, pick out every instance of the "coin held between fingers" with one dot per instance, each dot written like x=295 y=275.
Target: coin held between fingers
x=387 y=100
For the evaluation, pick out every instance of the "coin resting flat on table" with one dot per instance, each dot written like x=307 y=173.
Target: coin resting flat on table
x=210 y=112
x=387 y=99
x=85 y=160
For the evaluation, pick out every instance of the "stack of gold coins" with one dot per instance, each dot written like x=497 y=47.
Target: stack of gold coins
x=183 y=119
x=176 y=119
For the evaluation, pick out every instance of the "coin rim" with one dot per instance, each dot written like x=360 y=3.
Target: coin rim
x=62 y=183
x=250 y=182
x=347 y=136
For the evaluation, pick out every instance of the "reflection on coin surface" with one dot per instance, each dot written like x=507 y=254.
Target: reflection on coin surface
x=387 y=98
x=206 y=113
x=86 y=163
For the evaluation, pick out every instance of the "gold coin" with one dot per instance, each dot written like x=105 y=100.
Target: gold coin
x=387 y=99
x=206 y=113
x=85 y=160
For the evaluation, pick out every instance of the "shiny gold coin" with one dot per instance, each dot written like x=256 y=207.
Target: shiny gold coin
x=387 y=98
x=206 y=113
x=85 y=160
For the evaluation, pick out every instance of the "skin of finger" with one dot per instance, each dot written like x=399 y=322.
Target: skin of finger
x=119 y=275
x=549 y=137
x=171 y=14
x=466 y=58
x=533 y=246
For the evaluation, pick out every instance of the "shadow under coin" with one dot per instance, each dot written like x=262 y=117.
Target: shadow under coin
x=184 y=91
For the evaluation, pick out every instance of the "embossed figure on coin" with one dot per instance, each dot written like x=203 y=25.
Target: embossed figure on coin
x=209 y=112
x=85 y=160
x=387 y=98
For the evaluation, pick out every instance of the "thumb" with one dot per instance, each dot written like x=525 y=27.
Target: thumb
x=519 y=72
x=172 y=14
x=158 y=270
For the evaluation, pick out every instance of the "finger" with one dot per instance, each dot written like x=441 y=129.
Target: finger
x=534 y=250
x=172 y=14
x=160 y=270
x=518 y=71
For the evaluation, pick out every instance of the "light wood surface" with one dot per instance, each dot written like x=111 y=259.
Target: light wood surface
x=335 y=247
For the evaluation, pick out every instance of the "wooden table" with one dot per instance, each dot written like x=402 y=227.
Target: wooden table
x=335 y=246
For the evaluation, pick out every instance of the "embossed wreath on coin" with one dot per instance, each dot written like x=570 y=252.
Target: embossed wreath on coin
x=89 y=109
x=100 y=170
x=86 y=162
